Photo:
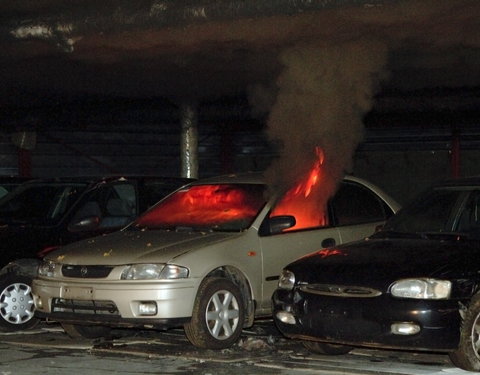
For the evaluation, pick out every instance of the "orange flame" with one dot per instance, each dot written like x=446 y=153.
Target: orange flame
x=205 y=205
x=302 y=201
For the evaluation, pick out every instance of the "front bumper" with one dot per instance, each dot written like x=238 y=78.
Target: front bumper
x=368 y=321
x=160 y=304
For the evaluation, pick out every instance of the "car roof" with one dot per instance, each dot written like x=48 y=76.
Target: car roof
x=105 y=179
x=464 y=181
x=14 y=179
x=256 y=178
x=243 y=178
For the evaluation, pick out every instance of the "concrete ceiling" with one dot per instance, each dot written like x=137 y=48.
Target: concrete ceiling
x=209 y=49
x=312 y=68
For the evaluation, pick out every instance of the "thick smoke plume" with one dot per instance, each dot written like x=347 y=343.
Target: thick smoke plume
x=324 y=93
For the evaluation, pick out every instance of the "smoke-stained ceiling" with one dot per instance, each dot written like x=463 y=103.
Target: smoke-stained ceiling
x=209 y=49
x=312 y=68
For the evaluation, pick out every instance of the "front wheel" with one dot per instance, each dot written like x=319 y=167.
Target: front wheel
x=218 y=315
x=88 y=332
x=467 y=355
x=324 y=348
x=16 y=303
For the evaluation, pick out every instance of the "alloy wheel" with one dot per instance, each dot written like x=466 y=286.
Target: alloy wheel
x=222 y=315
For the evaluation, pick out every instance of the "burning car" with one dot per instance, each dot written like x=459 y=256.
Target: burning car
x=207 y=257
x=413 y=285
x=46 y=213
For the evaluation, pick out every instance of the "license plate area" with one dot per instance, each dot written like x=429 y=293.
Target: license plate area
x=73 y=292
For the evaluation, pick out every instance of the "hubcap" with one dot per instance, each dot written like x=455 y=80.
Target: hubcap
x=16 y=303
x=222 y=315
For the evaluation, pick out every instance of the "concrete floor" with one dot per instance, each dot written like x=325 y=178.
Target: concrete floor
x=48 y=350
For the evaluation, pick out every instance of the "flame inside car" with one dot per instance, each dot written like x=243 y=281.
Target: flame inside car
x=304 y=199
x=233 y=207
x=207 y=205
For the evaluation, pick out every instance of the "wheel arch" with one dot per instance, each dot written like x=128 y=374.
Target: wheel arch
x=237 y=277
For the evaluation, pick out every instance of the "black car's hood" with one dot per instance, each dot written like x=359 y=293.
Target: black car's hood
x=378 y=260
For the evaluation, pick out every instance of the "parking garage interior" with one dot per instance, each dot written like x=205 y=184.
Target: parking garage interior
x=388 y=89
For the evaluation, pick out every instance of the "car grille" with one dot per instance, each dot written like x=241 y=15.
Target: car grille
x=340 y=290
x=86 y=272
x=84 y=307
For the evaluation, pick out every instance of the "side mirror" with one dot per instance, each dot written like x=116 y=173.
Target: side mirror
x=279 y=223
x=86 y=224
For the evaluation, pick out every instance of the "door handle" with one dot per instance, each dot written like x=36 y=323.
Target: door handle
x=328 y=242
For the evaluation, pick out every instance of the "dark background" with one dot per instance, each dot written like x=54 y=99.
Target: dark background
x=93 y=87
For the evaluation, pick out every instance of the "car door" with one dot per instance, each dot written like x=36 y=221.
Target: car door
x=279 y=249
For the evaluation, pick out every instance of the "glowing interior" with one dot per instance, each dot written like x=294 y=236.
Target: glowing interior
x=208 y=205
x=304 y=200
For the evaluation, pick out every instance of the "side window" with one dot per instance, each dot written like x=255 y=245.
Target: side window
x=120 y=205
x=115 y=205
x=309 y=212
x=469 y=218
x=355 y=204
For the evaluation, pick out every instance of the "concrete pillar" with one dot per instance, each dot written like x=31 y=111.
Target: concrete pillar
x=189 y=140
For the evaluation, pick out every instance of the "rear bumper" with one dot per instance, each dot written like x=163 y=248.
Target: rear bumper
x=368 y=321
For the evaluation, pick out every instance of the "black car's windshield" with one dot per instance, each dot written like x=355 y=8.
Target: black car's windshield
x=227 y=207
x=40 y=203
x=440 y=211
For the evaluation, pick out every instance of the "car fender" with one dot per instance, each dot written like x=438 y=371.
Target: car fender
x=25 y=266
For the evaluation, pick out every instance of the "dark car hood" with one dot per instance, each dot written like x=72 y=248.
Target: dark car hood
x=378 y=260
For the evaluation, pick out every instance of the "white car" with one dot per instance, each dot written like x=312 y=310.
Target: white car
x=207 y=257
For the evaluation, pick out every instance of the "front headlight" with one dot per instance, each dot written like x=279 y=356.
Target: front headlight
x=47 y=268
x=421 y=288
x=154 y=272
x=287 y=280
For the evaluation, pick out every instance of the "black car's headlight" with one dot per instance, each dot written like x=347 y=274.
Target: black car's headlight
x=47 y=268
x=287 y=280
x=154 y=272
x=421 y=288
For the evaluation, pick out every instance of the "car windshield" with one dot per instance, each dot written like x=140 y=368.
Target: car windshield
x=225 y=207
x=39 y=203
x=440 y=211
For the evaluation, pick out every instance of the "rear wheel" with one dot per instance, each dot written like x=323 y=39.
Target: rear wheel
x=88 y=332
x=467 y=355
x=218 y=315
x=324 y=348
x=16 y=303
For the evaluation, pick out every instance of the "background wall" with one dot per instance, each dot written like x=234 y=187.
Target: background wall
x=401 y=163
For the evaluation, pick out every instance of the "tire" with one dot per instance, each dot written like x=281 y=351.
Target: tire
x=324 y=348
x=218 y=315
x=76 y=331
x=467 y=355
x=16 y=303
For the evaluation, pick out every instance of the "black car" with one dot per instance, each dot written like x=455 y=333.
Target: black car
x=413 y=285
x=43 y=214
x=9 y=183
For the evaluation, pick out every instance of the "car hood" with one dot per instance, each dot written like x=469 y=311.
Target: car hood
x=126 y=247
x=376 y=261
